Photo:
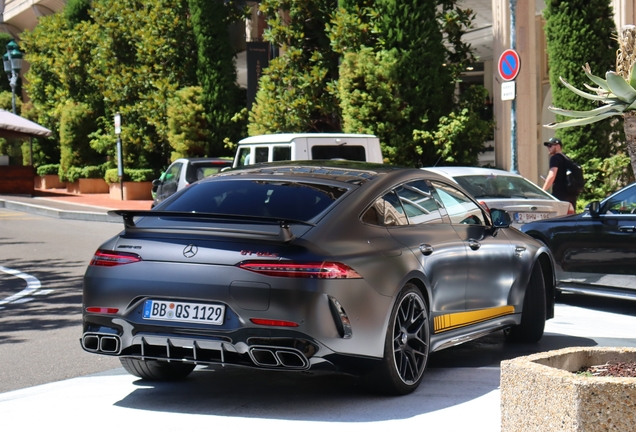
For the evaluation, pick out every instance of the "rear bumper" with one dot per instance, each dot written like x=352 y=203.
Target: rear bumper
x=253 y=348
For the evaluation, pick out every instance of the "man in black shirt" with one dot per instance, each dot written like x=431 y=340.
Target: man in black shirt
x=557 y=177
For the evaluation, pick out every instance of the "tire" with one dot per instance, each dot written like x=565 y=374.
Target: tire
x=406 y=345
x=153 y=370
x=533 y=315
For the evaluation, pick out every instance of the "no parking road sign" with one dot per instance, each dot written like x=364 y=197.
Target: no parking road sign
x=509 y=64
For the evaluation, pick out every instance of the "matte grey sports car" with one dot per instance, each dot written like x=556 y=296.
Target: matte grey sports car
x=326 y=265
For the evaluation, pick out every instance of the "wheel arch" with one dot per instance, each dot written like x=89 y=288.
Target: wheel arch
x=547 y=270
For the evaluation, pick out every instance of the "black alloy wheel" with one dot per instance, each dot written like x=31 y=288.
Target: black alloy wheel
x=407 y=344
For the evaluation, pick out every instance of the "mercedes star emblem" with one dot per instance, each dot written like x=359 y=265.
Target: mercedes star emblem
x=190 y=251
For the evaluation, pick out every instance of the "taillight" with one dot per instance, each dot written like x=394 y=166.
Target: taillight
x=102 y=310
x=275 y=323
x=112 y=259
x=570 y=209
x=323 y=270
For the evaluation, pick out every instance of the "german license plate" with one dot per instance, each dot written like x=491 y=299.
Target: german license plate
x=184 y=312
x=531 y=217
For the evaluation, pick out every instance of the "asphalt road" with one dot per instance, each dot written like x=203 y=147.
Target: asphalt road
x=40 y=331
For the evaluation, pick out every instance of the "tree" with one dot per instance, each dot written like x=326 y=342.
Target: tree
x=401 y=63
x=216 y=72
x=188 y=124
x=579 y=31
x=144 y=52
x=297 y=90
x=616 y=94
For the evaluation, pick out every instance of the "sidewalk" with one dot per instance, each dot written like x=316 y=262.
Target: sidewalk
x=63 y=205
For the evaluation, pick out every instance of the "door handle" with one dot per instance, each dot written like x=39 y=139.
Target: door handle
x=629 y=229
x=426 y=249
x=474 y=244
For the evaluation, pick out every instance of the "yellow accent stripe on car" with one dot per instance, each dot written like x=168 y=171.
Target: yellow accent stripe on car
x=460 y=319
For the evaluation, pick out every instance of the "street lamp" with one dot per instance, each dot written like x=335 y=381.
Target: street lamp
x=12 y=65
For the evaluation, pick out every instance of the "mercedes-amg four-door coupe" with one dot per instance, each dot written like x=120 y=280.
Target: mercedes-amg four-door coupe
x=356 y=268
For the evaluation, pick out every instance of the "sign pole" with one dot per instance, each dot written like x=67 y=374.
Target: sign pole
x=514 y=165
x=120 y=161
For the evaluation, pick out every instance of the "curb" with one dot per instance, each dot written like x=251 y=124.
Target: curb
x=59 y=214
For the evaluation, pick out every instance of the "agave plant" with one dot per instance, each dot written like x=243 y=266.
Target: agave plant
x=616 y=93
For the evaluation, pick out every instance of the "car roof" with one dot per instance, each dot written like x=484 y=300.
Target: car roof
x=457 y=171
x=203 y=160
x=288 y=137
x=334 y=170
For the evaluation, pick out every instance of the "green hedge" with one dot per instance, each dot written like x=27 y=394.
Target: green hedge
x=48 y=169
x=75 y=173
x=134 y=175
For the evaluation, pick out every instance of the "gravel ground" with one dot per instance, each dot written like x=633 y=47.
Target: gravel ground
x=618 y=369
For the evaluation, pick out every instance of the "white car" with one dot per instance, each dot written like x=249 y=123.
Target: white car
x=524 y=200
x=183 y=172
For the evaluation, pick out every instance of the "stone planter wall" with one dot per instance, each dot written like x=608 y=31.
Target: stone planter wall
x=87 y=186
x=132 y=191
x=49 y=181
x=539 y=392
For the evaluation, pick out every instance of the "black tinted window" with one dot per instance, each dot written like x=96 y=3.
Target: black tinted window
x=349 y=152
x=287 y=200
x=281 y=153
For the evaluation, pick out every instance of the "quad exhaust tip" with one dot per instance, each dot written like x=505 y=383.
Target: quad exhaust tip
x=97 y=343
x=278 y=357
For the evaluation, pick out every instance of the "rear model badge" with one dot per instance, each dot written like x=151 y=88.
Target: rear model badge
x=190 y=251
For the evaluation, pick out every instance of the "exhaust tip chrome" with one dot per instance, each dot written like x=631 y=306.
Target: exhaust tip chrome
x=263 y=357
x=97 y=343
x=109 y=344
x=291 y=359
x=91 y=342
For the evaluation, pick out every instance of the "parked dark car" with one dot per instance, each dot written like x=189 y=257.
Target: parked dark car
x=183 y=172
x=594 y=251
x=322 y=265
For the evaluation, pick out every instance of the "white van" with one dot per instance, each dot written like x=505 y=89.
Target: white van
x=306 y=146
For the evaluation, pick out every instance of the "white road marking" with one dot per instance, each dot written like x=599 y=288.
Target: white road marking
x=33 y=284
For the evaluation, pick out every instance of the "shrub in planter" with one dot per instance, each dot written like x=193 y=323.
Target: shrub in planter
x=88 y=179
x=130 y=175
x=136 y=184
x=47 y=177
x=48 y=169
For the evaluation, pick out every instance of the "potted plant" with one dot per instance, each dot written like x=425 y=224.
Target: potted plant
x=48 y=177
x=86 y=180
x=552 y=391
x=137 y=184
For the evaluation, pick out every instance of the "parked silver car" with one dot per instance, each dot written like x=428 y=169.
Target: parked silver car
x=524 y=200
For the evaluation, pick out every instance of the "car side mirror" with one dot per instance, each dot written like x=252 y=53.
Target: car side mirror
x=500 y=218
x=156 y=182
x=595 y=209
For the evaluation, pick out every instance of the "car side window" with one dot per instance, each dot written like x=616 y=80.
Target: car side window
x=172 y=175
x=244 y=156
x=419 y=203
x=262 y=154
x=386 y=211
x=623 y=203
x=281 y=153
x=460 y=208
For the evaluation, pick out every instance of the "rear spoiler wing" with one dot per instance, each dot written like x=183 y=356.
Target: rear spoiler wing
x=284 y=234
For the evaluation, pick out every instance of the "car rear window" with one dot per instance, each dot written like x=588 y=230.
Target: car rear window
x=278 y=199
x=496 y=186
x=348 y=152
